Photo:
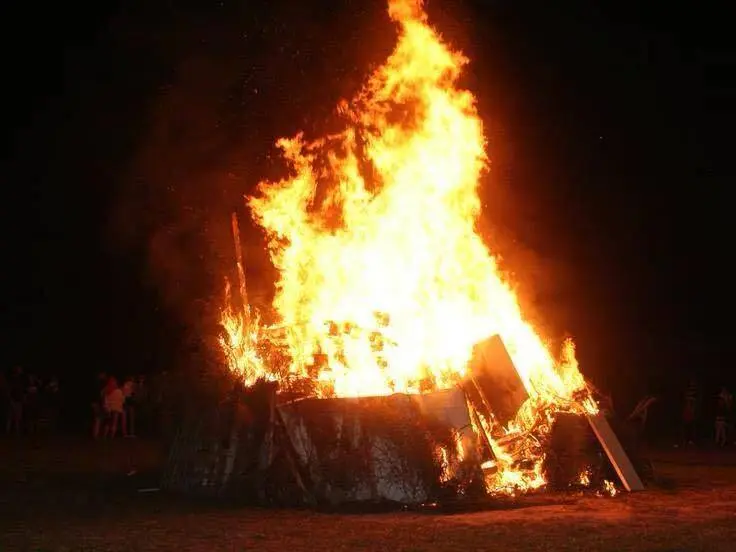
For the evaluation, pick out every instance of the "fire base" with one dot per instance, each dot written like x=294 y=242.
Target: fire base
x=400 y=449
x=255 y=447
x=404 y=449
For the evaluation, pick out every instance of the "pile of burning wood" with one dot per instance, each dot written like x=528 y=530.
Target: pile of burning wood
x=271 y=447
x=428 y=382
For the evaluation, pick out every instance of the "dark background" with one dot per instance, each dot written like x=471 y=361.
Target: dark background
x=135 y=129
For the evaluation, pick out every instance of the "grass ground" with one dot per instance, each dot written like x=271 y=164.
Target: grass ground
x=75 y=495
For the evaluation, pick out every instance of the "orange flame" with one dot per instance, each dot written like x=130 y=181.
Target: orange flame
x=384 y=284
x=381 y=268
x=609 y=488
x=240 y=342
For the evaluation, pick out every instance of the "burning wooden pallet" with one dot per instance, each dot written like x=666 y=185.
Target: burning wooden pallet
x=498 y=392
x=384 y=286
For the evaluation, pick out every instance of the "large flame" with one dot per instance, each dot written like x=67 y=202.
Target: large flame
x=373 y=235
x=384 y=283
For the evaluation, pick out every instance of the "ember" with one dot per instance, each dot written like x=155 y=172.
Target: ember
x=384 y=285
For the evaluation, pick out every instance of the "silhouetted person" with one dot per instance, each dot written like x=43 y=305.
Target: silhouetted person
x=16 y=398
x=52 y=402
x=32 y=404
x=113 y=407
x=129 y=407
x=640 y=414
x=690 y=413
x=142 y=404
x=724 y=402
x=98 y=405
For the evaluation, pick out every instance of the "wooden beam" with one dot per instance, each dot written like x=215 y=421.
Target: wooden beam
x=243 y=290
x=494 y=375
x=615 y=452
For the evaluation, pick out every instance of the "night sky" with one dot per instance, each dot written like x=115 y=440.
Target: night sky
x=135 y=130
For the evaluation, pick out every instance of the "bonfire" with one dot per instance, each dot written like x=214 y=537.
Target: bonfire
x=384 y=284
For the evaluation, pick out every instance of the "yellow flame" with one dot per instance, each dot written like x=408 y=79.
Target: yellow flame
x=609 y=488
x=584 y=477
x=384 y=283
x=373 y=234
x=240 y=343
x=444 y=461
x=509 y=478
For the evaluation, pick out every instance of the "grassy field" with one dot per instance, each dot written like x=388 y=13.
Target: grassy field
x=75 y=495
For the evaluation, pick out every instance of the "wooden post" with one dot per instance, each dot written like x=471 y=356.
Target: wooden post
x=241 y=269
x=484 y=436
x=615 y=452
x=494 y=375
x=481 y=394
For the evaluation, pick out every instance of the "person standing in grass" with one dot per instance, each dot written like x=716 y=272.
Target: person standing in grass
x=689 y=413
x=640 y=414
x=723 y=406
x=16 y=399
x=98 y=405
x=114 y=401
x=129 y=407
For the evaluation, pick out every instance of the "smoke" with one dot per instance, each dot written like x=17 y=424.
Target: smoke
x=517 y=225
x=226 y=82
x=224 y=85
x=180 y=186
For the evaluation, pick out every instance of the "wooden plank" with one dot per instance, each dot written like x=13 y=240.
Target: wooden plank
x=291 y=456
x=241 y=269
x=495 y=376
x=615 y=452
x=471 y=387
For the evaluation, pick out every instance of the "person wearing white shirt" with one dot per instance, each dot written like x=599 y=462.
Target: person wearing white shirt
x=114 y=402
